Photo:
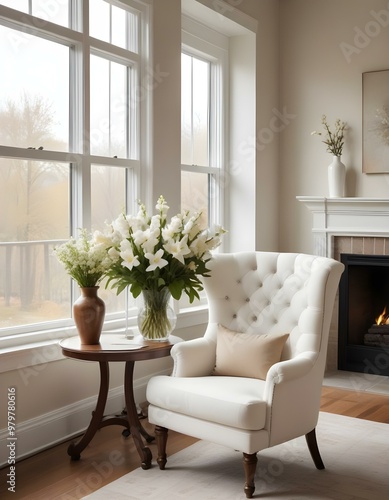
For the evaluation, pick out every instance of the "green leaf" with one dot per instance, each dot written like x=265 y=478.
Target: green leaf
x=136 y=290
x=120 y=286
x=192 y=295
x=175 y=288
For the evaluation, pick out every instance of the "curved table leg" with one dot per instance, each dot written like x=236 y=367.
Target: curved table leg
x=75 y=449
x=136 y=428
x=142 y=430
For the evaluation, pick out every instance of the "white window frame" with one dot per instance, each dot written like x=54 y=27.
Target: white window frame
x=21 y=338
x=209 y=45
x=204 y=43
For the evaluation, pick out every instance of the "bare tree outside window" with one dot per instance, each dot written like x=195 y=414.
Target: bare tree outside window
x=35 y=197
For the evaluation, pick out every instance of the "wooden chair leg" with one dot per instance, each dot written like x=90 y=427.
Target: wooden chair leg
x=314 y=449
x=161 y=434
x=250 y=465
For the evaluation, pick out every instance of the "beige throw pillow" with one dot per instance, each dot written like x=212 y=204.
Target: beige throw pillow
x=247 y=355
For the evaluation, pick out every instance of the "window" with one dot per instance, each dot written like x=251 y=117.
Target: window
x=203 y=129
x=70 y=144
x=219 y=166
x=203 y=108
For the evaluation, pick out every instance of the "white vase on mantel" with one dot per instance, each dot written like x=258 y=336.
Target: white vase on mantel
x=336 y=178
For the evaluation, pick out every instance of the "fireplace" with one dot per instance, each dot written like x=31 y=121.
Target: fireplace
x=355 y=227
x=363 y=335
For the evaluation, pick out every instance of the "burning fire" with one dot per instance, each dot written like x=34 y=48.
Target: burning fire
x=383 y=318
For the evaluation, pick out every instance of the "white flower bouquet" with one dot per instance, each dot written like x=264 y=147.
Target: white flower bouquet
x=152 y=253
x=85 y=259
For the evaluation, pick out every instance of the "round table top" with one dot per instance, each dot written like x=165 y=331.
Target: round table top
x=116 y=347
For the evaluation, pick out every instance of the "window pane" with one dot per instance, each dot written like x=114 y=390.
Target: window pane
x=118 y=27
x=34 y=98
x=200 y=112
x=54 y=11
x=109 y=97
x=21 y=5
x=195 y=84
x=35 y=197
x=186 y=110
x=99 y=25
x=108 y=187
x=114 y=25
x=195 y=194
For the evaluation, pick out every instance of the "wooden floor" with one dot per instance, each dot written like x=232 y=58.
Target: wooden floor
x=51 y=475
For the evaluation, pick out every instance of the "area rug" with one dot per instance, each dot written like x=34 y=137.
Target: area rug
x=354 y=451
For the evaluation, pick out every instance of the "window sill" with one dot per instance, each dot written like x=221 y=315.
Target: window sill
x=40 y=352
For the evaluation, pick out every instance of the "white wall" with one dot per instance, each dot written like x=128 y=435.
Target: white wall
x=264 y=144
x=317 y=78
x=267 y=136
x=166 y=115
x=242 y=169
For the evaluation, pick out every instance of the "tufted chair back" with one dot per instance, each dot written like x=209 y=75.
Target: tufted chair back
x=268 y=292
x=252 y=294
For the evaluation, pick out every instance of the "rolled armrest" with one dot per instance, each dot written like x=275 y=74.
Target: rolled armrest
x=292 y=368
x=300 y=374
x=193 y=358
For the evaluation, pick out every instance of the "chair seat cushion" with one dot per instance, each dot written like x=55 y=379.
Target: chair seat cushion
x=232 y=401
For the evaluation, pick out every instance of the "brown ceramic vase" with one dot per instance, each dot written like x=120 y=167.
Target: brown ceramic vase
x=88 y=314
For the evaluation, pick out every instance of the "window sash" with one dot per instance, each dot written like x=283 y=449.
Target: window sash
x=206 y=48
x=209 y=49
x=79 y=158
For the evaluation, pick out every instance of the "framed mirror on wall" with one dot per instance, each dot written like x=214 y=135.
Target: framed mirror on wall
x=375 y=122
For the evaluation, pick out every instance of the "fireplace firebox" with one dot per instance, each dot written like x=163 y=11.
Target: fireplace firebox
x=363 y=324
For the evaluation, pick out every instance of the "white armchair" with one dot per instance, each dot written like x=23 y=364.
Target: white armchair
x=254 y=380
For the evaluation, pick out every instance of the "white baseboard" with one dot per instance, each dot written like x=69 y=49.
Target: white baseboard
x=47 y=430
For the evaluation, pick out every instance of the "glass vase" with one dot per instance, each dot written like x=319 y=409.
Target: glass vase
x=156 y=319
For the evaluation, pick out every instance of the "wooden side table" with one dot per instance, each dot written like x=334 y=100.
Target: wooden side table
x=114 y=348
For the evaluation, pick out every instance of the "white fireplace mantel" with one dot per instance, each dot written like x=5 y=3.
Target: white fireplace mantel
x=345 y=216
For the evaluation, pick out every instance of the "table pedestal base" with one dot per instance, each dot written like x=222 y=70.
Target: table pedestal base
x=129 y=420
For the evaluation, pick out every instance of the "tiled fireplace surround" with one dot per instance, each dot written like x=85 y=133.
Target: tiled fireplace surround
x=347 y=225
